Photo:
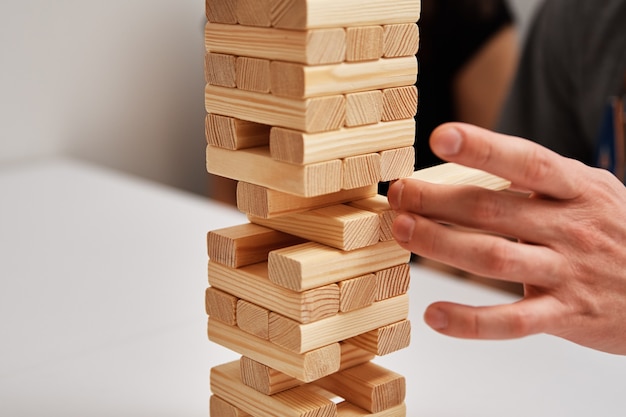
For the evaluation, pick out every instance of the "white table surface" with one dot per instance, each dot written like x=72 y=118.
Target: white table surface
x=102 y=280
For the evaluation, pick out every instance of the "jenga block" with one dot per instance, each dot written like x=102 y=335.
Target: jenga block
x=384 y=340
x=352 y=355
x=267 y=203
x=253 y=74
x=303 y=14
x=253 y=319
x=304 y=81
x=368 y=386
x=339 y=226
x=360 y=171
x=297 y=147
x=255 y=165
x=306 y=367
x=397 y=163
x=364 y=43
x=297 y=402
x=264 y=379
x=220 y=69
x=300 y=338
x=379 y=205
x=364 y=108
x=253 y=12
x=357 y=292
x=399 y=103
x=311 y=47
x=346 y=409
x=451 y=173
x=252 y=284
x=391 y=282
x=221 y=306
x=231 y=133
x=400 y=40
x=310 y=265
x=318 y=114
x=246 y=244
x=221 y=11
x=221 y=408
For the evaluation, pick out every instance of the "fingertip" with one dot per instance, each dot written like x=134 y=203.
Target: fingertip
x=403 y=227
x=436 y=318
x=446 y=141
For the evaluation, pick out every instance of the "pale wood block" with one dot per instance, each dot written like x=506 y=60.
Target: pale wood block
x=451 y=173
x=221 y=11
x=300 y=338
x=251 y=283
x=253 y=319
x=352 y=355
x=253 y=74
x=303 y=14
x=346 y=409
x=400 y=40
x=384 y=340
x=380 y=205
x=306 y=367
x=319 y=114
x=220 y=69
x=399 y=103
x=360 y=171
x=303 y=81
x=397 y=163
x=368 y=386
x=311 y=47
x=297 y=147
x=221 y=408
x=339 y=226
x=357 y=292
x=231 y=133
x=246 y=244
x=364 y=108
x=364 y=43
x=264 y=379
x=253 y=12
x=221 y=306
x=267 y=203
x=256 y=166
x=391 y=282
x=310 y=265
x=296 y=402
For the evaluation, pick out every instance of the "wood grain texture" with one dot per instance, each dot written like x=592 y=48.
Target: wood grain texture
x=221 y=306
x=232 y=133
x=364 y=108
x=391 y=282
x=253 y=74
x=451 y=173
x=346 y=409
x=378 y=204
x=220 y=69
x=397 y=163
x=384 y=340
x=221 y=408
x=221 y=11
x=400 y=40
x=357 y=292
x=253 y=12
x=364 y=43
x=361 y=171
x=264 y=379
x=253 y=319
x=399 y=103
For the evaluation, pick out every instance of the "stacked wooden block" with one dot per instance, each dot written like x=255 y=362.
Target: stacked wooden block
x=310 y=105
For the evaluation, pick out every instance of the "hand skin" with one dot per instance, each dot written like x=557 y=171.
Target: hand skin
x=565 y=239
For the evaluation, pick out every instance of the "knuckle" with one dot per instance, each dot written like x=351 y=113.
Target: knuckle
x=537 y=166
x=500 y=260
x=486 y=207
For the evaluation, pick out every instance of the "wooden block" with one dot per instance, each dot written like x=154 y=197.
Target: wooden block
x=246 y=244
x=310 y=265
x=221 y=408
x=357 y=292
x=399 y=103
x=253 y=74
x=221 y=11
x=296 y=402
x=311 y=47
x=220 y=69
x=303 y=14
x=255 y=165
x=318 y=114
x=391 y=282
x=352 y=355
x=364 y=108
x=306 y=367
x=361 y=171
x=231 y=133
x=397 y=163
x=297 y=147
x=253 y=319
x=252 y=284
x=384 y=340
x=304 y=81
x=368 y=386
x=400 y=40
x=379 y=205
x=300 y=338
x=364 y=43
x=339 y=226
x=346 y=409
x=264 y=379
x=267 y=203
x=221 y=306
x=253 y=12
x=451 y=173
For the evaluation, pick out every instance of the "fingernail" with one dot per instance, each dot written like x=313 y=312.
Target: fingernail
x=394 y=195
x=403 y=227
x=436 y=318
x=448 y=142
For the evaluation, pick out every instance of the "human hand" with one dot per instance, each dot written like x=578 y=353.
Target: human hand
x=564 y=239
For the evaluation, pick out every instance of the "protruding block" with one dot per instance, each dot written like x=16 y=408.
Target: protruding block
x=397 y=163
x=253 y=319
x=253 y=12
x=352 y=355
x=364 y=108
x=220 y=69
x=264 y=379
x=357 y=292
x=221 y=306
x=400 y=40
x=346 y=409
x=221 y=408
x=455 y=174
x=399 y=103
x=364 y=43
x=378 y=204
x=384 y=340
x=361 y=170
x=231 y=133
x=253 y=74
x=391 y=282
x=221 y=11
